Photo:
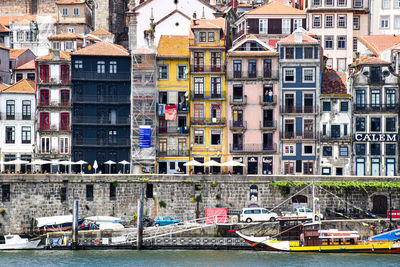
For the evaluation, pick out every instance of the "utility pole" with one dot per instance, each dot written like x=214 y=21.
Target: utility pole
x=140 y=222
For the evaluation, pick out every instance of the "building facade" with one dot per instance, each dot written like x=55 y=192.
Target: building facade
x=26 y=71
x=53 y=138
x=101 y=105
x=300 y=76
x=375 y=120
x=5 y=75
x=17 y=125
x=335 y=124
x=74 y=17
x=173 y=104
x=385 y=17
x=208 y=92
x=337 y=25
x=252 y=109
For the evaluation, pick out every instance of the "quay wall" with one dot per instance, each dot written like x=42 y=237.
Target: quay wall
x=32 y=196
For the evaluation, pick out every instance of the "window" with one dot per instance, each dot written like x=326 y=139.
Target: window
x=375 y=124
x=89 y=192
x=76 y=11
x=215 y=137
x=211 y=37
x=329 y=42
x=345 y=130
x=329 y=2
x=163 y=72
x=357 y=3
x=396 y=3
x=267 y=68
x=202 y=37
x=198 y=137
x=384 y=22
x=44 y=73
x=360 y=149
x=329 y=21
x=26 y=109
x=263 y=26
x=326 y=106
x=182 y=72
x=6 y=192
x=290 y=75
x=31 y=76
x=10 y=110
x=198 y=61
x=71 y=30
x=390 y=149
x=113 y=66
x=65 y=11
x=199 y=86
x=390 y=124
x=20 y=36
x=216 y=87
x=326 y=171
x=252 y=69
x=316 y=21
x=65 y=95
x=341 y=2
x=64 y=73
x=385 y=3
x=78 y=64
x=289 y=149
x=216 y=111
x=327 y=151
x=308 y=168
x=44 y=121
x=113 y=191
x=26 y=134
x=285 y=26
x=341 y=64
x=64 y=145
x=64 y=121
x=215 y=62
x=56 y=46
x=360 y=124
x=289 y=53
x=397 y=22
x=289 y=167
x=318 y=38
x=45 y=145
x=356 y=22
x=341 y=42
x=297 y=23
x=375 y=149
x=335 y=131
x=355 y=43
x=341 y=21
x=101 y=67
x=308 y=149
x=316 y=2
x=343 y=151
x=339 y=171
x=324 y=129
x=308 y=52
x=199 y=112
x=10 y=135
x=344 y=106
x=308 y=75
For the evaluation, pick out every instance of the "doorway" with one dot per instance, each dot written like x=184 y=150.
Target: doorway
x=252 y=165
x=380 y=205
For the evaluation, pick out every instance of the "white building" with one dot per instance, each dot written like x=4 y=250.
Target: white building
x=17 y=124
x=385 y=17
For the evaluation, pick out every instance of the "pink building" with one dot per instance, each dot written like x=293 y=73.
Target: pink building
x=252 y=110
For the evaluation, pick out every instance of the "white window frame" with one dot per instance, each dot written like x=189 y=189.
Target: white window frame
x=101 y=66
x=332 y=3
x=160 y=67
x=332 y=24
x=291 y=150
x=71 y=30
x=304 y=75
x=44 y=148
x=113 y=66
x=76 y=11
x=314 y=19
x=385 y=19
x=197 y=132
x=20 y=36
x=69 y=45
x=396 y=22
x=324 y=169
x=263 y=26
x=357 y=3
x=78 y=64
x=56 y=46
x=297 y=23
x=316 y=2
x=356 y=22
x=64 y=145
x=286 y=25
x=341 y=2
x=185 y=74
x=285 y=74
x=308 y=154
x=385 y=4
x=341 y=21
x=64 y=11
x=26 y=134
x=333 y=42
x=345 y=42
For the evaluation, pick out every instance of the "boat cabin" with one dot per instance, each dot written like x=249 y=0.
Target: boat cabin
x=291 y=229
x=312 y=236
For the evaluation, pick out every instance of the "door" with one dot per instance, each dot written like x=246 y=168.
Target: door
x=375 y=167
x=252 y=165
x=64 y=121
x=360 y=167
x=380 y=205
x=237 y=69
x=44 y=97
x=289 y=103
x=390 y=167
x=113 y=116
x=65 y=98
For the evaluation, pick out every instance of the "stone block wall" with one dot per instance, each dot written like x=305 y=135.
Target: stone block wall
x=18 y=7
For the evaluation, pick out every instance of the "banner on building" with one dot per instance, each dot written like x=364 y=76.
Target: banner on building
x=170 y=113
x=161 y=108
x=145 y=136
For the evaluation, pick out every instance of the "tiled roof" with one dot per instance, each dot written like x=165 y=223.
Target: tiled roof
x=275 y=8
x=16 y=53
x=100 y=31
x=102 y=49
x=27 y=66
x=24 y=22
x=305 y=40
x=23 y=86
x=370 y=60
x=173 y=46
x=70 y=2
x=143 y=50
x=4 y=28
x=3 y=86
x=5 y=20
x=3 y=47
x=333 y=83
x=63 y=56
x=218 y=23
x=379 y=43
x=65 y=36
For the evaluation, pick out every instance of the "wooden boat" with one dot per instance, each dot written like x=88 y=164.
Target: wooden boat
x=16 y=242
x=323 y=241
x=56 y=223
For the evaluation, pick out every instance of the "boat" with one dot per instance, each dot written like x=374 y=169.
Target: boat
x=56 y=223
x=16 y=242
x=103 y=223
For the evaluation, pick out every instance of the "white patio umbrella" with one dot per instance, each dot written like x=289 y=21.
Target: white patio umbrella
x=109 y=162
x=233 y=163
x=67 y=163
x=95 y=166
x=193 y=163
x=16 y=161
x=81 y=162
x=124 y=162
x=39 y=162
x=211 y=163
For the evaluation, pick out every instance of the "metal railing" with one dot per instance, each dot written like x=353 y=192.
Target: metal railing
x=270 y=74
x=210 y=121
x=50 y=81
x=15 y=116
x=243 y=148
x=297 y=135
x=298 y=109
x=329 y=137
x=208 y=95
x=267 y=100
x=173 y=130
x=93 y=120
x=240 y=125
x=268 y=124
x=207 y=68
x=376 y=107
x=54 y=103
x=101 y=142
x=96 y=99
x=173 y=153
x=93 y=75
x=53 y=127
x=238 y=100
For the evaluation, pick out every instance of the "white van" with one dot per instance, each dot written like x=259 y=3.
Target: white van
x=257 y=215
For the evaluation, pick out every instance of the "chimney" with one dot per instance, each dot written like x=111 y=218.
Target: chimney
x=298 y=35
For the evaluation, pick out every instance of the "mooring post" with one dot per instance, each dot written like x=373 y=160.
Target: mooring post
x=75 y=225
x=140 y=225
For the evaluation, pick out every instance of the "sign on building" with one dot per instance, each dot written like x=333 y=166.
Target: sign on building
x=145 y=136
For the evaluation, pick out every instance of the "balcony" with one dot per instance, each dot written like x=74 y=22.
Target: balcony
x=330 y=138
x=183 y=108
x=173 y=130
x=53 y=128
x=173 y=153
x=94 y=76
x=207 y=68
x=208 y=96
x=362 y=108
x=101 y=142
x=102 y=99
x=298 y=109
x=210 y=121
x=15 y=116
x=238 y=125
x=253 y=148
x=266 y=101
x=238 y=35
x=238 y=101
x=54 y=81
x=93 y=120
x=56 y=152
x=54 y=104
x=268 y=125
x=245 y=75
x=297 y=135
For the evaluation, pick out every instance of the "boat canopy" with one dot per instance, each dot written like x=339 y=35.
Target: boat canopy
x=53 y=220
x=103 y=219
x=387 y=236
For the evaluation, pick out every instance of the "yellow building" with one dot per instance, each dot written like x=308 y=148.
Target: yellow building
x=207 y=92
x=173 y=104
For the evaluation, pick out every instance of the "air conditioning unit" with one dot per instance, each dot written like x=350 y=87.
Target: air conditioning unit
x=53 y=80
x=53 y=127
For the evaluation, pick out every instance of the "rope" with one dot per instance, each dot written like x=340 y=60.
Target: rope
x=291 y=197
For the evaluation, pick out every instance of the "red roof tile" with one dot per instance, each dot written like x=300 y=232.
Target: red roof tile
x=65 y=36
x=69 y=2
x=174 y=46
x=102 y=49
x=379 y=43
x=63 y=56
x=4 y=28
x=334 y=83
x=305 y=40
x=275 y=8
x=27 y=66
x=3 y=86
x=23 y=86
x=370 y=60
x=16 y=53
x=100 y=31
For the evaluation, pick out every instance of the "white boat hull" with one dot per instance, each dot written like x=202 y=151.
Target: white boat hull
x=27 y=245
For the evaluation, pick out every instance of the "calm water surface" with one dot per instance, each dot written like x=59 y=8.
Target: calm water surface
x=190 y=258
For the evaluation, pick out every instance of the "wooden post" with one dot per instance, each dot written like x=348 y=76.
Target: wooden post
x=75 y=225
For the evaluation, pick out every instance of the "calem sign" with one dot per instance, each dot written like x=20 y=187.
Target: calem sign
x=384 y=137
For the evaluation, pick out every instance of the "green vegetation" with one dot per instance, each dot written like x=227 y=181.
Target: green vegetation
x=214 y=184
x=339 y=185
x=162 y=204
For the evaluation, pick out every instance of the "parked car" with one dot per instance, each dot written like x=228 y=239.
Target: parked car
x=164 y=220
x=303 y=213
x=257 y=215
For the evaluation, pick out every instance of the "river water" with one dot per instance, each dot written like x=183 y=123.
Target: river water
x=190 y=258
